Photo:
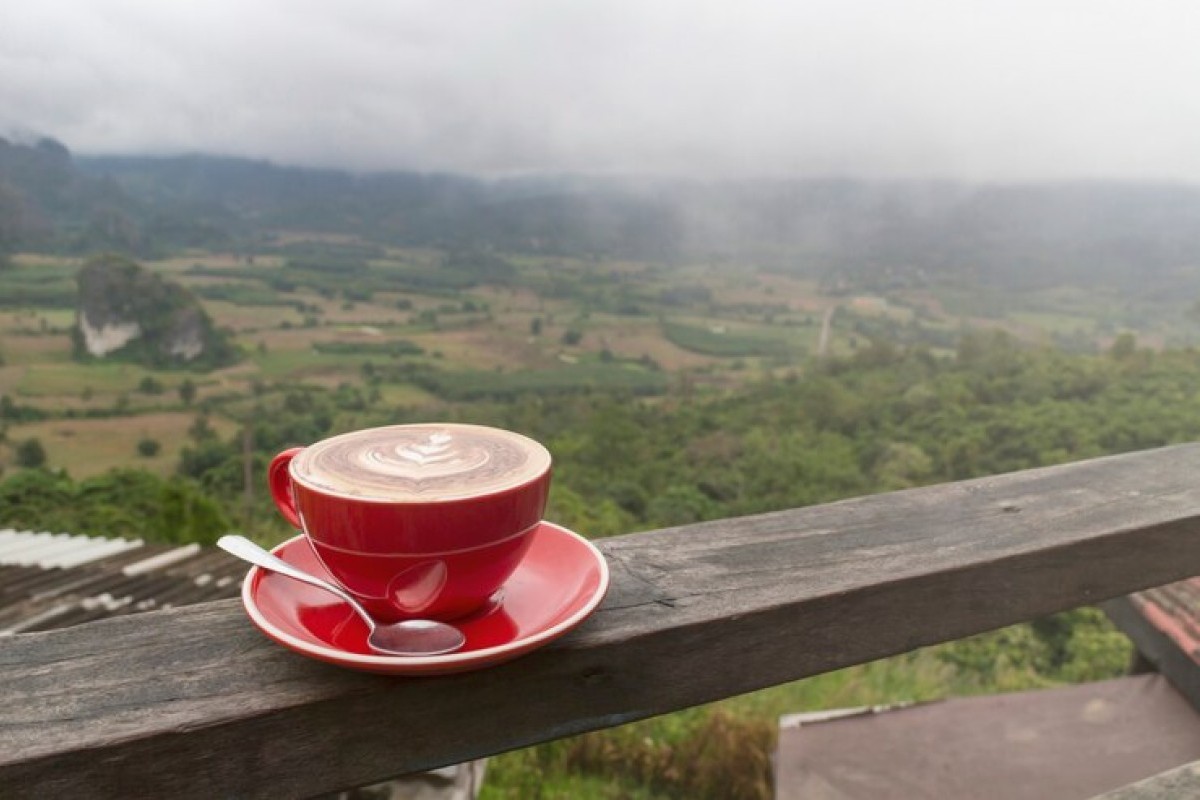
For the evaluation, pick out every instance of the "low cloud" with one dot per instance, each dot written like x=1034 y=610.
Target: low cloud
x=993 y=91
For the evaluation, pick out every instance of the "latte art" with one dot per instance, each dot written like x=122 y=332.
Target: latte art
x=421 y=462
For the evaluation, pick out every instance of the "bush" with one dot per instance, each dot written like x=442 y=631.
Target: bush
x=150 y=385
x=187 y=391
x=724 y=756
x=127 y=503
x=148 y=448
x=31 y=454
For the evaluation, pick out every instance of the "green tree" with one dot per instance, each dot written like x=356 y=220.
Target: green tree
x=188 y=515
x=125 y=503
x=1123 y=347
x=36 y=499
x=187 y=391
x=148 y=448
x=201 y=430
x=603 y=518
x=680 y=504
x=150 y=385
x=31 y=454
x=902 y=465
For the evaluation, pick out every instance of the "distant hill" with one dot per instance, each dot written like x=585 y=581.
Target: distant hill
x=128 y=312
x=547 y=215
x=1023 y=235
x=882 y=233
x=46 y=201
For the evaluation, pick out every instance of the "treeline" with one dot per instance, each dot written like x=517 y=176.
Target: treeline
x=48 y=203
x=124 y=503
x=883 y=419
x=336 y=270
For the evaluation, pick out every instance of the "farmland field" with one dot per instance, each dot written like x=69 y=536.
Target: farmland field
x=422 y=331
x=87 y=447
x=736 y=340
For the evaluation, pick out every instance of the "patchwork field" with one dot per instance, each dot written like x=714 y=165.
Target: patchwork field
x=420 y=328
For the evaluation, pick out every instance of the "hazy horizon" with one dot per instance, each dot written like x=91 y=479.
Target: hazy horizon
x=991 y=92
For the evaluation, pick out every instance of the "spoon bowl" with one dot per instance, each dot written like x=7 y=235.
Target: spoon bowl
x=412 y=637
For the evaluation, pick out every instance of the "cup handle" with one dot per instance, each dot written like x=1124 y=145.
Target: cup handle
x=280 y=481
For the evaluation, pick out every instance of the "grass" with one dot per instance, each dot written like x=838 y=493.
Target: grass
x=583 y=376
x=386 y=348
x=1051 y=322
x=248 y=318
x=71 y=378
x=242 y=294
x=86 y=447
x=39 y=284
x=276 y=364
x=185 y=262
x=403 y=394
x=35 y=349
x=37 y=320
x=719 y=339
x=25 y=260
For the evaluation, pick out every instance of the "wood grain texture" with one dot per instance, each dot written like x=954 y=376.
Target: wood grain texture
x=195 y=702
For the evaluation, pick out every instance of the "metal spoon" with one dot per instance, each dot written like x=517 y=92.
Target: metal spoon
x=412 y=637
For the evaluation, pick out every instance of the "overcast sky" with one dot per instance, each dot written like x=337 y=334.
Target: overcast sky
x=987 y=89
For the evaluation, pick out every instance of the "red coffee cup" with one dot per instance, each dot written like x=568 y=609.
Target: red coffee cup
x=421 y=520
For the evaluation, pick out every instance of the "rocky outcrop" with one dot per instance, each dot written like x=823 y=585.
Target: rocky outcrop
x=127 y=311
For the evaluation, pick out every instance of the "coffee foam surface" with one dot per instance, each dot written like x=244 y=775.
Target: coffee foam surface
x=427 y=462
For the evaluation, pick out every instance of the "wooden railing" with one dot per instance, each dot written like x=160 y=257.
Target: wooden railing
x=195 y=702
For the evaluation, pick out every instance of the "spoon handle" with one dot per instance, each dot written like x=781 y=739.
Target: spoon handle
x=247 y=550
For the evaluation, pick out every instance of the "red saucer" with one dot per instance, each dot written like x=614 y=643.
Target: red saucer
x=559 y=583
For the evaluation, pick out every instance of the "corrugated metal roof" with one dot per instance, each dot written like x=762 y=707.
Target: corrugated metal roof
x=50 y=581
x=53 y=580
x=57 y=550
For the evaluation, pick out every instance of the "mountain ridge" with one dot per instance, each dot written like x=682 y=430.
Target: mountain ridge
x=1021 y=235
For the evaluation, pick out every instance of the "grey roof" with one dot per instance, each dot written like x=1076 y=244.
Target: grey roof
x=1051 y=744
x=53 y=580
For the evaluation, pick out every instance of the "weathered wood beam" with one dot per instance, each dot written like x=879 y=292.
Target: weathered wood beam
x=1164 y=655
x=196 y=703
